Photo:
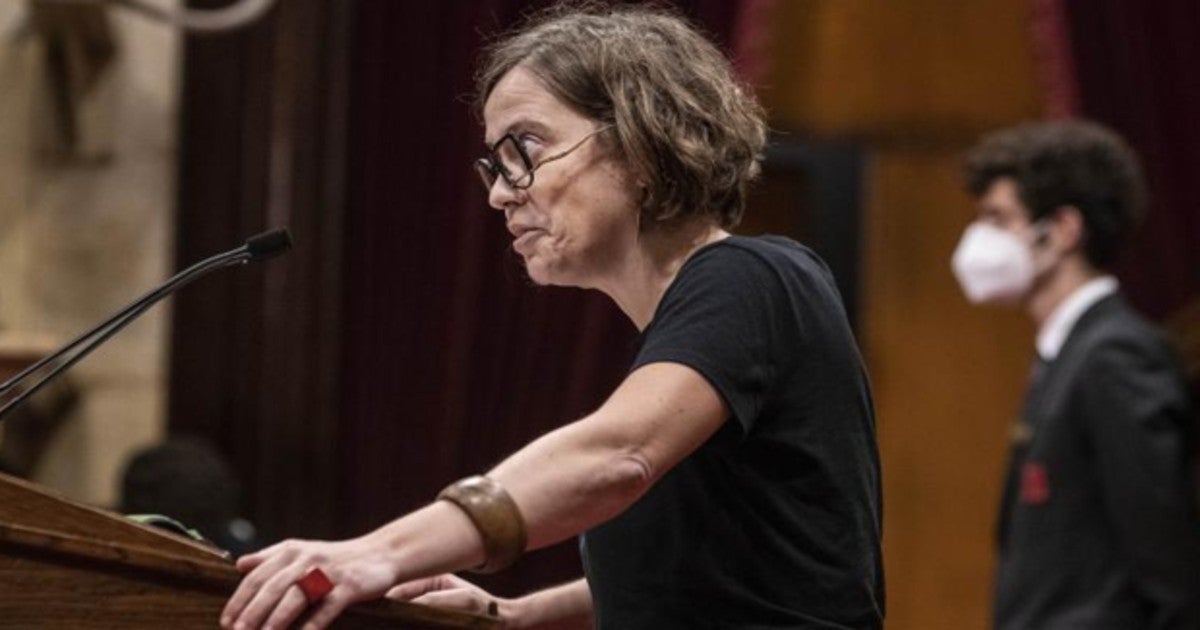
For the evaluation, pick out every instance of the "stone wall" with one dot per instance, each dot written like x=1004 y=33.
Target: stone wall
x=86 y=228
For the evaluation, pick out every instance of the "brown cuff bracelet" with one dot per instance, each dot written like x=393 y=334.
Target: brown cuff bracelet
x=495 y=515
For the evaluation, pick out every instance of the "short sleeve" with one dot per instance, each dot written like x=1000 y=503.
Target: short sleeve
x=727 y=316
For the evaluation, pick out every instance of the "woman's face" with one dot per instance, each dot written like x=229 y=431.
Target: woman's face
x=579 y=220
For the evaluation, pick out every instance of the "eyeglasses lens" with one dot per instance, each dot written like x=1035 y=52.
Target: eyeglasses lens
x=507 y=160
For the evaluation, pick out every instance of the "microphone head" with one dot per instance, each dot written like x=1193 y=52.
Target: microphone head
x=269 y=244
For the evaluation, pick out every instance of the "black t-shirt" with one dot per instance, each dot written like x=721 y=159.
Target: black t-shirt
x=775 y=521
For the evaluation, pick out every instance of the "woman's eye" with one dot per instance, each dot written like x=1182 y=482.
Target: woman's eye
x=531 y=145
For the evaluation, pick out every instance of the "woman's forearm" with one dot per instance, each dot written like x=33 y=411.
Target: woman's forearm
x=573 y=478
x=438 y=538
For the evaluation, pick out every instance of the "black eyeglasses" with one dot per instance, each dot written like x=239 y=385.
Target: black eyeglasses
x=508 y=159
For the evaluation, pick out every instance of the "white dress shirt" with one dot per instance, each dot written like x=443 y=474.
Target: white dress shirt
x=1057 y=327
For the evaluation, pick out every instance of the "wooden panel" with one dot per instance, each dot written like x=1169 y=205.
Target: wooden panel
x=65 y=565
x=948 y=380
x=27 y=505
x=45 y=590
x=917 y=68
x=52 y=596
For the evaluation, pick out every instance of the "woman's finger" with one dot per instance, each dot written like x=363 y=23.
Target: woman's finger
x=249 y=587
x=449 y=581
x=268 y=593
x=464 y=599
x=247 y=562
x=329 y=608
x=416 y=588
x=288 y=609
x=409 y=590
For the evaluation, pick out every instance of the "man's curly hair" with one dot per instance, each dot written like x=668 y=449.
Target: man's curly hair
x=1067 y=163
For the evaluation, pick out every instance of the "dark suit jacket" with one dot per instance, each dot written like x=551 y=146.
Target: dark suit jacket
x=1098 y=527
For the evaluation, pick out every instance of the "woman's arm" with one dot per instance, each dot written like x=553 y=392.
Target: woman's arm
x=591 y=470
x=563 y=483
x=571 y=602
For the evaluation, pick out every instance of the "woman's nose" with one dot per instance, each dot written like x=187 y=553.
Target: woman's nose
x=502 y=195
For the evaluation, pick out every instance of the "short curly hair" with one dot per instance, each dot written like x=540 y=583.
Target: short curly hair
x=1067 y=163
x=682 y=122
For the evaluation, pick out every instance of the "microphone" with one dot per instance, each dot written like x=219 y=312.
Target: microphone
x=268 y=244
x=260 y=247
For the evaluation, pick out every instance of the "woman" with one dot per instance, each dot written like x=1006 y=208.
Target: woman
x=732 y=479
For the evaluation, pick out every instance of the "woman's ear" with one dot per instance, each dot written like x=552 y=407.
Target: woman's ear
x=644 y=201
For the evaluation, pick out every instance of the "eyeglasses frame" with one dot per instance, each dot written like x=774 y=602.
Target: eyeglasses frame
x=490 y=169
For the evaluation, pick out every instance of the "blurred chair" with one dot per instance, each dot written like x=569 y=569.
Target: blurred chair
x=187 y=480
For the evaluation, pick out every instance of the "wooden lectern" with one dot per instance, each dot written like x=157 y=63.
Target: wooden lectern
x=67 y=565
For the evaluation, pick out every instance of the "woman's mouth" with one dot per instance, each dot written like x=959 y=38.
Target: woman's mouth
x=524 y=240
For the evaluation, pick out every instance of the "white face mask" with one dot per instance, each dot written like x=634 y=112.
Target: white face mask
x=993 y=265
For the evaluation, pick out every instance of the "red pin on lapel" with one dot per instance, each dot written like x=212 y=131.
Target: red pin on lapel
x=1035 y=484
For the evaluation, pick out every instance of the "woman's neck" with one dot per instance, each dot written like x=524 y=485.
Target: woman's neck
x=638 y=284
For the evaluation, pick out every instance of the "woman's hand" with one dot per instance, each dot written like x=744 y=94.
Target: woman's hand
x=268 y=596
x=448 y=591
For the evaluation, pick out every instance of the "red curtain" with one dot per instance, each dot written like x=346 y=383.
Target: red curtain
x=1137 y=69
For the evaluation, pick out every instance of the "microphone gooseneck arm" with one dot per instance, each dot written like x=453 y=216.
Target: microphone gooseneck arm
x=259 y=247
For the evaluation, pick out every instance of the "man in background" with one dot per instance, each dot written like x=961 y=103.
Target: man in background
x=1098 y=525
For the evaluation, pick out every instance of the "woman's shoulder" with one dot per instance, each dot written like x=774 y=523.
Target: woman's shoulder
x=766 y=253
